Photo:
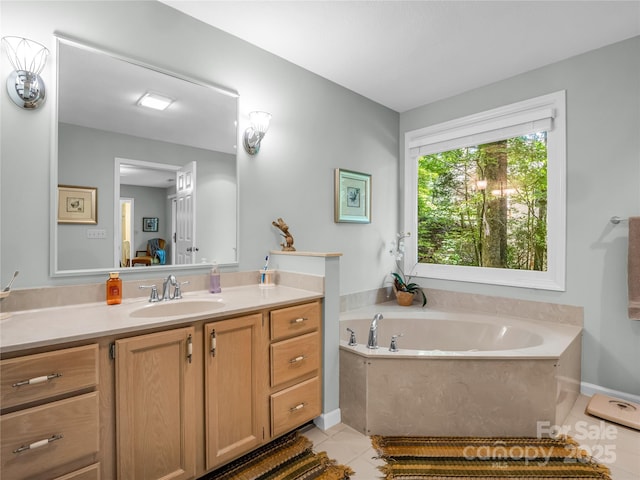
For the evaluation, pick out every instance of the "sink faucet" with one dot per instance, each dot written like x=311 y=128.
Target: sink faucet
x=166 y=287
x=373 y=331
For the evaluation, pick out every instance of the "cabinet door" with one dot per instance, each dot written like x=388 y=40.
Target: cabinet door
x=155 y=406
x=232 y=388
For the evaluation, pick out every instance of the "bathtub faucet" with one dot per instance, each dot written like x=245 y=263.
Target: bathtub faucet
x=373 y=331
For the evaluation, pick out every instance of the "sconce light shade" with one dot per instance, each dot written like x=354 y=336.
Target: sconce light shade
x=256 y=132
x=24 y=84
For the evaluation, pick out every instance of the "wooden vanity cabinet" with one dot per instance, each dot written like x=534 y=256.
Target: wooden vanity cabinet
x=233 y=392
x=49 y=426
x=173 y=404
x=295 y=363
x=156 y=406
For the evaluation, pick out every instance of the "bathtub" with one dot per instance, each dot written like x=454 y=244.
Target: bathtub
x=456 y=374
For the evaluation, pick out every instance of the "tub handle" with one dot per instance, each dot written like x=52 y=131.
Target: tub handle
x=394 y=342
x=352 y=338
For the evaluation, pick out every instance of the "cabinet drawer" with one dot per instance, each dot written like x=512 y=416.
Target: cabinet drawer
x=291 y=321
x=294 y=406
x=73 y=421
x=294 y=358
x=37 y=377
x=92 y=472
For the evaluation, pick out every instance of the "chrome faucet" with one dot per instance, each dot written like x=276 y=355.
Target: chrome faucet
x=373 y=331
x=166 y=287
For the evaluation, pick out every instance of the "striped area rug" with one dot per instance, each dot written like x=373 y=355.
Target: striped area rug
x=464 y=458
x=287 y=458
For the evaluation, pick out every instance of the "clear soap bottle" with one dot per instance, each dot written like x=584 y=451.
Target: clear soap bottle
x=114 y=289
x=214 y=279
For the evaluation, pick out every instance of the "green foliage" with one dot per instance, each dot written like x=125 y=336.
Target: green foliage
x=454 y=209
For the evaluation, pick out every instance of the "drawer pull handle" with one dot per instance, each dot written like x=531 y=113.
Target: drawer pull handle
x=38 y=444
x=35 y=380
x=297 y=359
x=300 y=406
x=213 y=343
x=299 y=320
x=189 y=348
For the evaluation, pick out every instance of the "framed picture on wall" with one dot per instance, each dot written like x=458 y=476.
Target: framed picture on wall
x=352 y=203
x=77 y=204
x=149 y=224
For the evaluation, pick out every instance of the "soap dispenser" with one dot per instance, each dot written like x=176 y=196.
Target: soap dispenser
x=214 y=279
x=114 y=289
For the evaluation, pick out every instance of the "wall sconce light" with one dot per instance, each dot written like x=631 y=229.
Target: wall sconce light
x=24 y=84
x=255 y=133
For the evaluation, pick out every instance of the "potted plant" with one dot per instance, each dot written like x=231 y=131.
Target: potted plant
x=405 y=290
x=403 y=287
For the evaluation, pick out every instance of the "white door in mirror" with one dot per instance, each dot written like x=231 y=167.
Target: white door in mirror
x=186 y=214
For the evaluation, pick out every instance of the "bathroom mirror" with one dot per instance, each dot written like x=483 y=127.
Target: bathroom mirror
x=104 y=136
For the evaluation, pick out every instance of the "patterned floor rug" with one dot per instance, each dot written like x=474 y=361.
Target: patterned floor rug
x=287 y=458
x=464 y=458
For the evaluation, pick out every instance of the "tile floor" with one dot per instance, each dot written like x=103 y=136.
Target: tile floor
x=616 y=446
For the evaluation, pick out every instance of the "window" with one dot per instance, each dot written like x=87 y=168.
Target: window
x=486 y=196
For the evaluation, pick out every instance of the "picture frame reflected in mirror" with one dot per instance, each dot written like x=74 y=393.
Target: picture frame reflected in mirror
x=150 y=224
x=77 y=204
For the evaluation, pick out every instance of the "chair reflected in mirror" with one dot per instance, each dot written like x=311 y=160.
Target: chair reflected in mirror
x=154 y=254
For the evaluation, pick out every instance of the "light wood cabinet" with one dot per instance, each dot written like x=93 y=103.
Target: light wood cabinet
x=233 y=390
x=155 y=406
x=37 y=377
x=173 y=404
x=49 y=426
x=295 y=361
x=295 y=405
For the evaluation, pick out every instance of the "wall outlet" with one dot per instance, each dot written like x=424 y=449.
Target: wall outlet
x=96 y=233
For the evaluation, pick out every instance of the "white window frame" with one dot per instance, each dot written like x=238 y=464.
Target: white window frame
x=547 y=112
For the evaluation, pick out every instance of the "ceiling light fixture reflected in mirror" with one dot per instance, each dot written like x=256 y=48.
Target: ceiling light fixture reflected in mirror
x=154 y=101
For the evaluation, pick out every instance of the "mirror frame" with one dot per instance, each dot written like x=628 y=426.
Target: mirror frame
x=59 y=38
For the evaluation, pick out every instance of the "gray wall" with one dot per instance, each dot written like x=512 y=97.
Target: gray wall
x=603 y=180
x=317 y=126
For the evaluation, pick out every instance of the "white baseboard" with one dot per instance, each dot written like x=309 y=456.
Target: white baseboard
x=589 y=389
x=327 y=420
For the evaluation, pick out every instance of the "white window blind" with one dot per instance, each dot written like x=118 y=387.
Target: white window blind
x=498 y=124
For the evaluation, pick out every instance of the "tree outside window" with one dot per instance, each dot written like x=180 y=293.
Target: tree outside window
x=485 y=205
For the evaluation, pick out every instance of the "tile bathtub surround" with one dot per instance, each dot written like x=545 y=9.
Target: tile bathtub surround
x=474 y=397
x=474 y=303
x=60 y=296
x=616 y=446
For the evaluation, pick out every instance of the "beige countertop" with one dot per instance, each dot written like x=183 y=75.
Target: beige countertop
x=28 y=329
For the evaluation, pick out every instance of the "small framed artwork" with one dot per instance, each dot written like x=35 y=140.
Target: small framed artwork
x=352 y=202
x=77 y=204
x=149 y=224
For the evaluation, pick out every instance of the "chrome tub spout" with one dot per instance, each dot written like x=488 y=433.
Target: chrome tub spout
x=373 y=331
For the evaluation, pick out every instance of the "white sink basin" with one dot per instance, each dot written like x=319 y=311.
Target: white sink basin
x=177 y=307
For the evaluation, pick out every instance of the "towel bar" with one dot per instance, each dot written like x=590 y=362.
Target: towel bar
x=616 y=220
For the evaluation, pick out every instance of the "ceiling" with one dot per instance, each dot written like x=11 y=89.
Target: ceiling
x=404 y=54
x=101 y=91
